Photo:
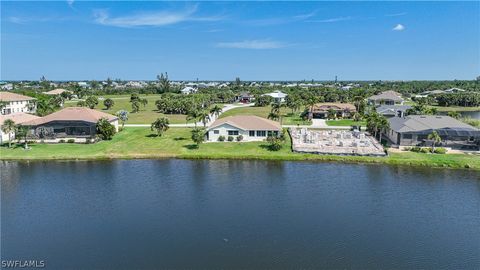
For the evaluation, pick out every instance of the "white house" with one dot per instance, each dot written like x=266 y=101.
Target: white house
x=277 y=95
x=188 y=90
x=7 y=87
x=18 y=118
x=250 y=127
x=17 y=103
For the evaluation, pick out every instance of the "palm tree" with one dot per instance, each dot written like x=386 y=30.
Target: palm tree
x=204 y=117
x=273 y=116
x=216 y=110
x=22 y=132
x=193 y=115
x=160 y=125
x=8 y=127
x=435 y=139
x=122 y=116
x=332 y=114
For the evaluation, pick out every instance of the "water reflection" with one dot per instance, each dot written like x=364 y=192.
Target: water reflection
x=244 y=214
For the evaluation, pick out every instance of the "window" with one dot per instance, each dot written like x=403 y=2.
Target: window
x=269 y=133
x=261 y=133
x=233 y=132
x=251 y=133
x=407 y=136
x=216 y=131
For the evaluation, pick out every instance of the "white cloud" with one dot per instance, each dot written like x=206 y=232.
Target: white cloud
x=159 y=18
x=398 y=27
x=332 y=20
x=70 y=2
x=252 y=44
x=396 y=14
x=305 y=16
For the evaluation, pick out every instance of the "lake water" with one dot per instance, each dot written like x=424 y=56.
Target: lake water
x=474 y=115
x=182 y=214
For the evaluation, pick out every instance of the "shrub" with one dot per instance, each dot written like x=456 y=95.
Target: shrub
x=275 y=143
x=221 y=138
x=440 y=150
x=230 y=138
x=415 y=149
x=105 y=130
x=425 y=150
x=61 y=141
x=239 y=138
x=407 y=149
x=88 y=141
x=70 y=140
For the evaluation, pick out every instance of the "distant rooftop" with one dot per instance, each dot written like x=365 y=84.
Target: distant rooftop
x=7 y=96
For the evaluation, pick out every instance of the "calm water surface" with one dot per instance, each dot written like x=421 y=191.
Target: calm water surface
x=179 y=214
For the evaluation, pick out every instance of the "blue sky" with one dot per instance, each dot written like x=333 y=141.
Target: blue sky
x=77 y=40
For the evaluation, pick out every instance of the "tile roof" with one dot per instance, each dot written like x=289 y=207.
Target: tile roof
x=57 y=91
x=73 y=114
x=8 y=96
x=18 y=118
x=392 y=95
x=247 y=122
x=416 y=123
x=336 y=106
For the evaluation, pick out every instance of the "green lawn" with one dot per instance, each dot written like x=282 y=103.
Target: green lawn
x=287 y=117
x=146 y=115
x=345 y=122
x=456 y=109
x=139 y=143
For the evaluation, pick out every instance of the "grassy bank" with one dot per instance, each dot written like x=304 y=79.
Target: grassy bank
x=139 y=143
x=146 y=115
x=288 y=118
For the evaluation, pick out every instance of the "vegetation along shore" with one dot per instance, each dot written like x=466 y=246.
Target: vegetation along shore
x=176 y=143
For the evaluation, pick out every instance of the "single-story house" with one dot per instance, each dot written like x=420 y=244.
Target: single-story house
x=250 y=127
x=77 y=123
x=386 y=98
x=413 y=130
x=277 y=95
x=320 y=110
x=17 y=103
x=244 y=97
x=393 y=110
x=18 y=118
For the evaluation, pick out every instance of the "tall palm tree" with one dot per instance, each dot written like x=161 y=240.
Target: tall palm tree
x=204 y=116
x=216 y=110
x=8 y=127
x=193 y=115
x=435 y=139
x=160 y=125
x=22 y=132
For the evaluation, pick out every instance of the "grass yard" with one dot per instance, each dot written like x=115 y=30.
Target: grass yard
x=456 y=109
x=345 y=122
x=287 y=117
x=140 y=143
x=146 y=115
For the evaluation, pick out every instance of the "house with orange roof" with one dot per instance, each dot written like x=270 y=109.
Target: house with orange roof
x=71 y=123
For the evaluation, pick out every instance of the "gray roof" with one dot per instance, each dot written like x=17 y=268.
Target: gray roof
x=387 y=95
x=427 y=123
x=392 y=109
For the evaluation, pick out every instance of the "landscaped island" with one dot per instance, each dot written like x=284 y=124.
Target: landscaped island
x=176 y=143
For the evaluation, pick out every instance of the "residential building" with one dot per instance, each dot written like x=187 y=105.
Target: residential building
x=386 y=98
x=277 y=95
x=7 y=87
x=77 y=123
x=321 y=110
x=244 y=97
x=393 y=110
x=17 y=103
x=413 y=130
x=57 y=91
x=18 y=118
x=188 y=90
x=250 y=127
